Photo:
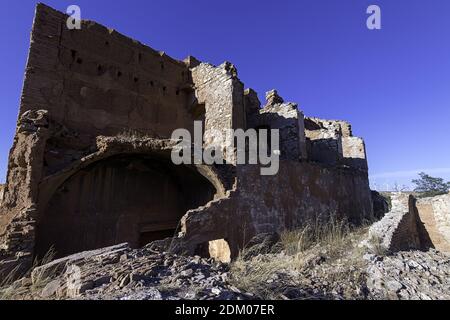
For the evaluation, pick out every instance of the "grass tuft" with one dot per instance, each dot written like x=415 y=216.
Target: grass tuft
x=329 y=249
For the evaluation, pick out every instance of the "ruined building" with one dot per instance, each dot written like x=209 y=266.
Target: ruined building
x=90 y=164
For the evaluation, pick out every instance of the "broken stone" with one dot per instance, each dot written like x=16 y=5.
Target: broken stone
x=50 y=289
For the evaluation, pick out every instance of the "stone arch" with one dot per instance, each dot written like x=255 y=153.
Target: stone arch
x=119 y=195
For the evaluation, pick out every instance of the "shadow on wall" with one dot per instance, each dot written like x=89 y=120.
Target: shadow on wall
x=424 y=237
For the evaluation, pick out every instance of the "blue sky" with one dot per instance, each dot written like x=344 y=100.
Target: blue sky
x=393 y=84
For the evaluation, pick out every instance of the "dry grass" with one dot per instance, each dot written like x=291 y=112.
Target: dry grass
x=331 y=235
x=329 y=249
x=376 y=246
x=254 y=276
x=12 y=289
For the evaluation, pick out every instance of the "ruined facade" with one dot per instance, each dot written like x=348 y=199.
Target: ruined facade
x=90 y=165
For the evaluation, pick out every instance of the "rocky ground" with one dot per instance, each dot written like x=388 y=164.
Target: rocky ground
x=409 y=275
x=120 y=273
x=338 y=269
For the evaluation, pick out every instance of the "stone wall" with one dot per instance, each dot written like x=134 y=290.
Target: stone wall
x=332 y=142
x=252 y=106
x=435 y=215
x=96 y=81
x=324 y=141
x=354 y=152
x=299 y=193
x=219 y=89
x=289 y=120
x=401 y=228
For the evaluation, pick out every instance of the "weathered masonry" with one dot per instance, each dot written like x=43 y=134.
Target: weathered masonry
x=90 y=164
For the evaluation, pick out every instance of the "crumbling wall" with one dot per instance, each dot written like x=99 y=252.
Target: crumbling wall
x=219 y=89
x=96 y=79
x=285 y=117
x=299 y=193
x=380 y=203
x=354 y=152
x=18 y=211
x=324 y=139
x=332 y=142
x=401 y=228
x=434 y=212
x=252 y=105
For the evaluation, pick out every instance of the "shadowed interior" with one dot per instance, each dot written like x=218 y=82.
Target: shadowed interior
x=126 y=198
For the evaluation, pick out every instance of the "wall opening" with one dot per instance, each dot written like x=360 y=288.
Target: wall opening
x=220 y=250
x=125 y=198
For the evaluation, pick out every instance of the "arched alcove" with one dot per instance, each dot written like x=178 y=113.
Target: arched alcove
x=133 y=198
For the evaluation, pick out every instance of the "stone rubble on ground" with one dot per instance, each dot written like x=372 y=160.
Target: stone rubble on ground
x=410 y=275
x=121 y=273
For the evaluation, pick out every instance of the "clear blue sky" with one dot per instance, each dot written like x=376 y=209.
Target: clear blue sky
x=393 y=85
